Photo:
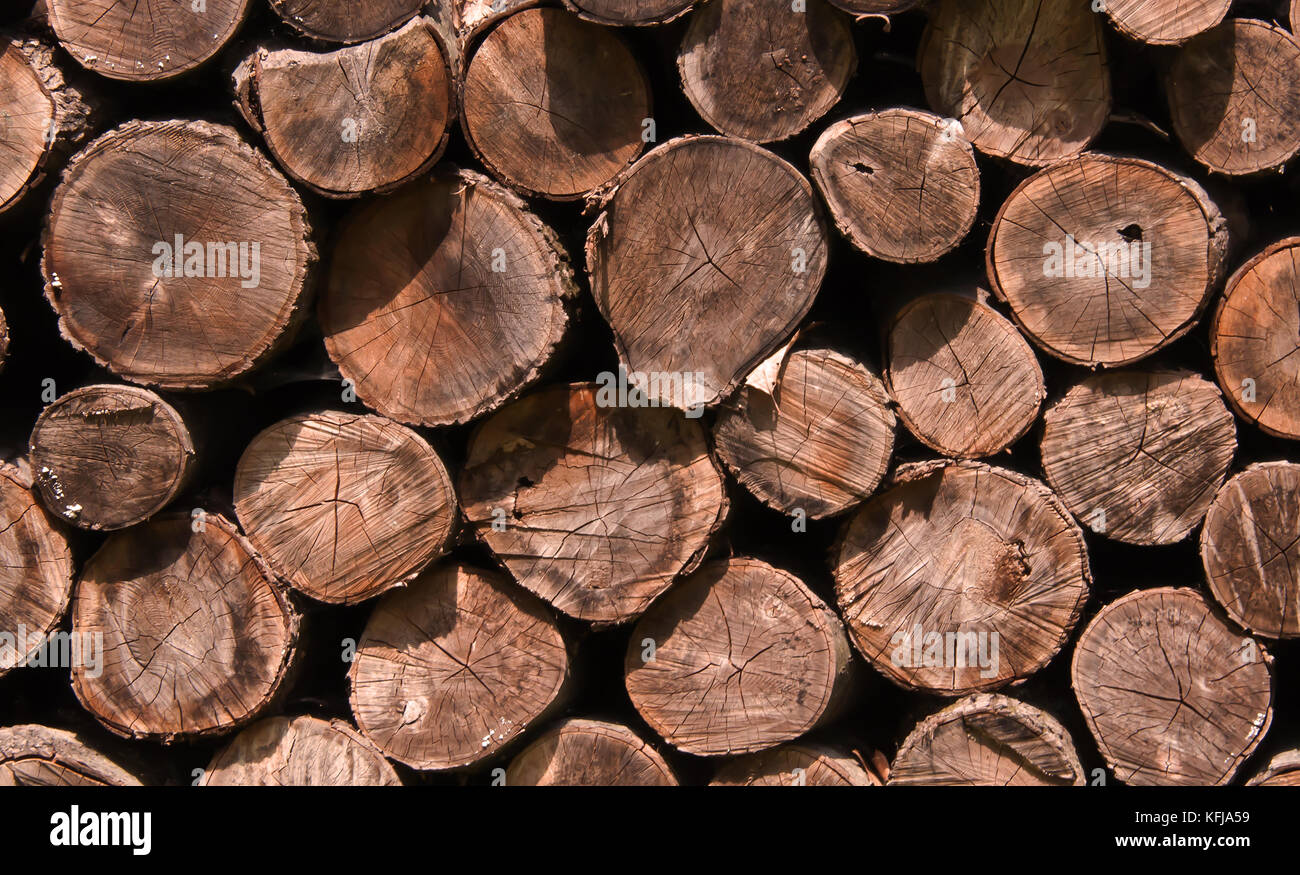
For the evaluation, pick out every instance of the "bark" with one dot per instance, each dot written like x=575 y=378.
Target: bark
x=988 y=740
x=1158 y=251
x=299 y=752
x=340 y=121
x=965 y=381
x=445 y=300
x=795 y=765
x=137 y=189
x=4 y=340
x=1233 y=97
x=1172 y=694
x=817 y=440
x=1027 y=79
x=705 y=258
x=456 y=667
x=197 y=636
x=344 y=507
x=590 y=753
x=110 y=456
x=1283 y=770
x=630 y=12
x=961 y=577
x=554 y=105
x=902 y=185
x=737 y=658
x=1250 y=546
x=807 y=60
x=345 y=22
x=1165 y=22
x=1253 y=338
x=42 y=756
x=1137 y=455
x=593 y=507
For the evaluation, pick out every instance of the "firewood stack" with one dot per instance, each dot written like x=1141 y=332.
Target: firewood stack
x=793 y=392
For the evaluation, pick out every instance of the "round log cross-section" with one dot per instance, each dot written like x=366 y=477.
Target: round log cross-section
x=1165 y=22
x=590 y=753
x=41 y=756
x=630 y=12
x=795 y=765
x=299 y=752
x=345 y=22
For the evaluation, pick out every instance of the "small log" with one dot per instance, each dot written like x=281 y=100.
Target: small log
x=1294 y=18
x=1250 y=546
x=961 y=577
x=1165 y=22
x=965 y=381
x=1172 y=694
x=1105 y=260
x=455 y=667
x=902 y=185
x=1282 y=771
x=340 y=122
x=737 y=658
x=299 y=752
x=817 y=442
x=1234 y=97
x=154 y=261
x=1027 y=79
x=988 y=740
x=143 y=42
x=703 y=261
x=41 y=756
x=197 y=637
x=590 y=753
x=554 y=106
x=630 y=12
x=109 y=456
x=345 y=22
x=35 y=570
x=593 y=507
x=875 y=7
x=344 y=507
x=1137 y=455
x=444 y=300
x=762 y=70
x=795 y=765
x=1253 y=339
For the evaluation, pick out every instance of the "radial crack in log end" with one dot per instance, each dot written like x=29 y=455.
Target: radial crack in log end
x=589 y=753
x=345 y=22
x=41 y=756
x=801 y=764
x=629 y=12
x=299 y=752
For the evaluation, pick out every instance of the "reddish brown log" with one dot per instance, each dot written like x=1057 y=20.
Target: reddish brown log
x=875 y=7
x=630 y=12
x=345 y=22
x=1165 y=22
x=1282 y=771
x=41 y=756
x=589 y=753
x=801 y=764
x=299 y=752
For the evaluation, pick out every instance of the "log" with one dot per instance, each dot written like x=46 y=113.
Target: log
x=143 y=42
x=1234 y=97
x=1172 y=694
x=1104 y=260
x=1137 y=455
x=42 y=756
x=965 y=381
x=197 y=637
x=35 y=571
x=299 y=752
x=901 y=184
x=1253 y=340
x=961 y=577
x=807 y=57
x=875 y=7
x=737 y=658
x=1165 y=22
x=4 y=340
x=554 y=106
x=817 y=442
x=110 y=456
x=1294 y=17
x=344 y=507
x=704 y=259
x=795 y=765
x=340 y=121
x=345 y=22
x=630 y=12
x=430 y=330
x=1249 y=549
x=593 y=507
x=456 y=667
x=1282 y=771
x=988 y=740
x=590 y=753
x=1026 y=79
x=154 y=260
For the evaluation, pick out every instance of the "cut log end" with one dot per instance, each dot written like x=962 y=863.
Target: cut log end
x=1165 y=22
x=590 y=753
x=1282 y=771
x=299 y=752
x=27 y=114
x=345 y=22
x=630 y=12
x=41 y=756
x=795 y=765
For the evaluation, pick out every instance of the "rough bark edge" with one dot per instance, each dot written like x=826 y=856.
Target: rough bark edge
x=303 y=30
x=342 y=727
x=753 y=764
x=642 y=22
x=1283 y=763
x=606 y=728
x=1149 y=40
x=29 y=740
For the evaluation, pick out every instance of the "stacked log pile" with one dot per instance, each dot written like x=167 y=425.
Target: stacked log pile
x=730 y=392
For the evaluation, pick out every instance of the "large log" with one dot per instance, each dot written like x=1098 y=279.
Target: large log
x=42 y=756
x=1105 y=260
x=800 y=764
x=737 y=658
x=444 y=300
x=299 y=752
x=961 y=577
x=630 y=12
x=589 y=753
x=594 y=507
x=1165 y=22
x=345 y=22
x=162 y=269
x=1172 y=694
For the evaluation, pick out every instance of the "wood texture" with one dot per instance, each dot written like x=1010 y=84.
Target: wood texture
x=345 y=22
x=590 y=753
x=1282 y=771
x=1165 y=22
x=1172 y=694
x=42 y=756
x=299 y=752
x=795 y=765
x=630 y=12
x=875 y=7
